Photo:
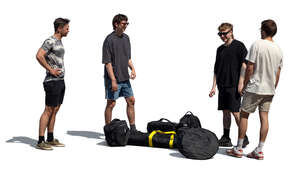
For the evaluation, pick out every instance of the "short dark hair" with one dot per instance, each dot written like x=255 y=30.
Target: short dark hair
x=60 y=22
x=118 y=18
x=269 y=27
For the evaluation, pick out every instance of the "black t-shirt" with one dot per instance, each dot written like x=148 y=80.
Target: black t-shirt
x=116 y=50
x=228 y=63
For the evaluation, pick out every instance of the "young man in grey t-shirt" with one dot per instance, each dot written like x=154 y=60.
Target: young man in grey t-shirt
x=116 y=57
x=51 y=57
x=261 y=79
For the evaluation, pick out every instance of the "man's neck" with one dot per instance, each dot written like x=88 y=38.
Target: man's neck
x=57 y=36
x=118 y=32
x=269 y=39
x=228 y=42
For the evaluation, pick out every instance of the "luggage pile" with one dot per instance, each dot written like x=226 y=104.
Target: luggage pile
x=187 y=136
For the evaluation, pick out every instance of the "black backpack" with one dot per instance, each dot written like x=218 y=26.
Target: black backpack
x=116 y=133
x=197 y=143
x=189 y=120
x=162 y=124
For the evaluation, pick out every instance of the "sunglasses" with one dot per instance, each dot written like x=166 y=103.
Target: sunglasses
x=223 y=33
x=125 y=24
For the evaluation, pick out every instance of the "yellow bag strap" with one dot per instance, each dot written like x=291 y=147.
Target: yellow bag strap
x=159 y=131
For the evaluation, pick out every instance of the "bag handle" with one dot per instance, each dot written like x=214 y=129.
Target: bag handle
x=165 y=120
x=189 y=112
x=171 y=142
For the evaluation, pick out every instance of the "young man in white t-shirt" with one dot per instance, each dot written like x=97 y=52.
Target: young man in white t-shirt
x=261 y=79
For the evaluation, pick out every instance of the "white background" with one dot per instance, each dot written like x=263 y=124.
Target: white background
x=173 y=50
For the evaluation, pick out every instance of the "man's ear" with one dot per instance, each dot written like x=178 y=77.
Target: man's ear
x=116 y=24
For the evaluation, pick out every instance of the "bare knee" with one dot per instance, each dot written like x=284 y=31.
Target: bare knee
x=226 y=113
x=130 y=101
x=49 y=111
x=110 y=104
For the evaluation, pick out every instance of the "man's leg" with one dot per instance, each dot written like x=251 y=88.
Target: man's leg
x=52 y=119
x=225 y=140
x=242 y=128
x=264 y=128
x=237 y=120
x=108 y=110
x=130 y=111
x=238 y=150
x=44 y=121
x=226 y=121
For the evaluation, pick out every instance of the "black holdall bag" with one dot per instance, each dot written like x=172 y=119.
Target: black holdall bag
x=116 y=133
x=189 y=120
x=156 y=138
x=197 y=143
x=163 y=124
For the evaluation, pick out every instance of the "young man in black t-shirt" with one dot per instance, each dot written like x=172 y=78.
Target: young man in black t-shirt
x=116 y=57
x=229 y=66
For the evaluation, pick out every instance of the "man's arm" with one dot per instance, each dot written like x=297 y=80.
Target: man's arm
x=242 y=78
x=277 y=77
x=40 y=56
x=133 y=74
x=109 y=69
x=249 y=73
x=213 y=89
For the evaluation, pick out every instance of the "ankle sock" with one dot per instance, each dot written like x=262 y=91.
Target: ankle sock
x=132 y=127
x=50 y=136
x=226 y=132
x=240 y=143
x=260 y=146
x=41 y=139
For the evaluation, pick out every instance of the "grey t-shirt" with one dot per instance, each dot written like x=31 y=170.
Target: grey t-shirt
x=116 y=50
x=54 y=57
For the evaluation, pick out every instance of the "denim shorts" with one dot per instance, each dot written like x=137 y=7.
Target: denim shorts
x=124 y=90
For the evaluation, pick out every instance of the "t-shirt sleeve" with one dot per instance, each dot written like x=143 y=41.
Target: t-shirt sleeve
x=129 y=49
x=216 y=64
x=47 y=45
x=106 y=53
x=252 y=56
x=243 y=53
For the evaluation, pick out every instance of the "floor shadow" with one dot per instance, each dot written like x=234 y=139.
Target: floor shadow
x=24 y=140
x=103 y=143
x=222 y=150
x=87 y=134
x=178 y=155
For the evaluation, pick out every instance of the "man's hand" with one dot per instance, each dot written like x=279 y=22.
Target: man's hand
x=114 y=85
x=241 y=89
x=212 y=92
x=55 y=72
x=132 y=75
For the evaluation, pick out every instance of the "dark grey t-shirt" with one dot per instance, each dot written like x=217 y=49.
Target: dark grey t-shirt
x=116 y=50
x=54 y=57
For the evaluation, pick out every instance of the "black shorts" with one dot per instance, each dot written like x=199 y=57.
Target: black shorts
x=55 y=92
x=229 y=99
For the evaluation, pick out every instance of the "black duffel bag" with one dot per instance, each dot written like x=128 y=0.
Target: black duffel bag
x=197 y=143
x=189 y=120
x=163 y=124
x=116 y=133
x=156 y=138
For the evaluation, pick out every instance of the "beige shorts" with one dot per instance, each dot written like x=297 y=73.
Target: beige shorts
x=251 y=101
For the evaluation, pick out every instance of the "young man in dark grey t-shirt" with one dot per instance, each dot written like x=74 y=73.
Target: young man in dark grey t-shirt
x=117 y=58
x=51 y=57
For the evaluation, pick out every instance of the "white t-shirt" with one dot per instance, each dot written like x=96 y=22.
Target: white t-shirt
x=267 y=58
